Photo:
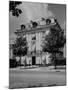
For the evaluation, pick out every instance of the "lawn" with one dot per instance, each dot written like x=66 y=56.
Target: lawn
x=36 y=78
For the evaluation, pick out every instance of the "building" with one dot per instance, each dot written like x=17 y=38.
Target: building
x=34 y=32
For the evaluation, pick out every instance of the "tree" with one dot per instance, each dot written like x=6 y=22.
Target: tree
x=54 y=41
x=13 y=8
x=20 y=47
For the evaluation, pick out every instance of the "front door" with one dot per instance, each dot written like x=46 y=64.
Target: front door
x=33 y=60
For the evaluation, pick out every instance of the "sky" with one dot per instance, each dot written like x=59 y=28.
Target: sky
x=35 y=11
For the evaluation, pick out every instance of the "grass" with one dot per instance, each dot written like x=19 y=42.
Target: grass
x=30 y=86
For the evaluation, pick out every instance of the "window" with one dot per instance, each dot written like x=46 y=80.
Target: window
x=33 y=37
x=48 y=21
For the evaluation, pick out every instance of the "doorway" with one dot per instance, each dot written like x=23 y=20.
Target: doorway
x=33 y=60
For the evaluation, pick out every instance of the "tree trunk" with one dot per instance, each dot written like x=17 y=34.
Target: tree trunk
x=55 y=60
x=20 y=62
x=25 y=62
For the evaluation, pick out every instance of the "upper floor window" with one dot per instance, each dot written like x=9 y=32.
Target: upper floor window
x=33 y=37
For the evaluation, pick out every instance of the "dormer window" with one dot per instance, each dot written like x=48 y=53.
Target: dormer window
x=35 y=24
x=22 y=26
x=48 y=21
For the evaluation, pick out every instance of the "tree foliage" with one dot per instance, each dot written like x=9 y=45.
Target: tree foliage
x=20 y=47
x=54 y=40
x=13 y=8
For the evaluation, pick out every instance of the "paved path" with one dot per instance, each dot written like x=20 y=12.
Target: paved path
x=36 y=68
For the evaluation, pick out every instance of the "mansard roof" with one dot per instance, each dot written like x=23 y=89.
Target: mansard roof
x=37 y=26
